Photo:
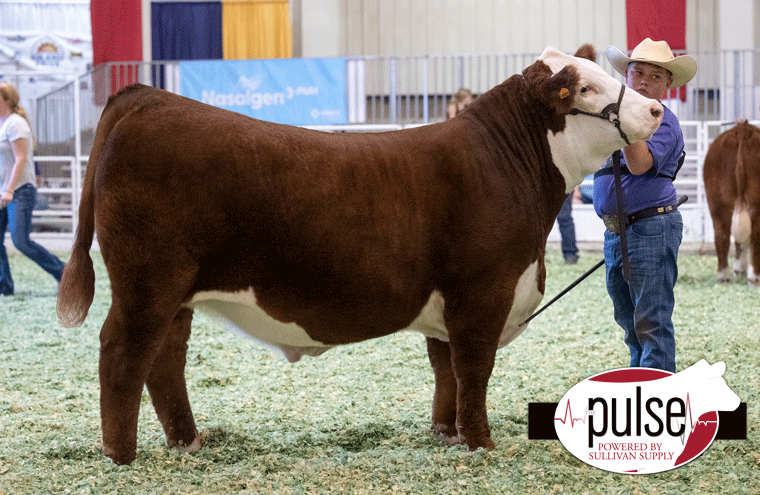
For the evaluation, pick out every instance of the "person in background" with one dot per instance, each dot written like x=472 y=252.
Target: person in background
x=17 y=179
x=585 y=194
x=461 y=100
x=644 y=304
x=567 y=230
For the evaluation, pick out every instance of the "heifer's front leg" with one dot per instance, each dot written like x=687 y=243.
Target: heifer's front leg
x=445 y=398
x=474 y=329
x=167 y=387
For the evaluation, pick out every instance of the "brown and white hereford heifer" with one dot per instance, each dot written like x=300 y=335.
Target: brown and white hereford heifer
x=307 y=240
x=732 y=185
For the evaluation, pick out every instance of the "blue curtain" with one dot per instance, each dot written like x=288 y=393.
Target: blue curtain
x=186 y=30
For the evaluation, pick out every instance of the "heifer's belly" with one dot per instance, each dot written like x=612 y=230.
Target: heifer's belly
x=242 y=311
x=430 y=322
x=527 y=299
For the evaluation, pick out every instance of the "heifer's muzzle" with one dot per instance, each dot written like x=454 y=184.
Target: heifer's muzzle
x=612 y=108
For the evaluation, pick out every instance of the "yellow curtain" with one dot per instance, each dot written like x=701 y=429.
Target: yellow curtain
x=256 y=29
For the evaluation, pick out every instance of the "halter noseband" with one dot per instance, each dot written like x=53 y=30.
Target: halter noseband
x=612 y=108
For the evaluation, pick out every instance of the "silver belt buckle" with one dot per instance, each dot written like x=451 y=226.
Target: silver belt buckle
x=612 y=224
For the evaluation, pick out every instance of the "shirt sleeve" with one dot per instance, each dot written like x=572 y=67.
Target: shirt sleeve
x=18 y=129
x=663 y=147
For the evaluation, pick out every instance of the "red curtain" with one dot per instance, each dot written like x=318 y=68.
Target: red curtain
x=116 y=36
x=656 y=19
x=659 y=20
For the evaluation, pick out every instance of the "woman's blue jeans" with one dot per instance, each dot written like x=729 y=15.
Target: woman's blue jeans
x=17 y=218
x=567 y=227
x=644 y=305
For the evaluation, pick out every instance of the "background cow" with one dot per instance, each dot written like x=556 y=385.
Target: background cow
x=732 y=184
x=307 y=240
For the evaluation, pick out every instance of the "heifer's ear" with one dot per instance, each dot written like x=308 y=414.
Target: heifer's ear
x=586 y=51
x=536 y=74
x=555 y=91
x=559 y=90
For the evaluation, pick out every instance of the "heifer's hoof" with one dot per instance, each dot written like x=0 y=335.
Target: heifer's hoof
x=120 y=458
x=740 y=267
x=194 y=446
x=485 y=443
x=448 y=434
x=724 y=276
x=752 y=279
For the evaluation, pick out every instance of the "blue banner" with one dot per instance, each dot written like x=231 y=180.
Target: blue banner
x=286 y=91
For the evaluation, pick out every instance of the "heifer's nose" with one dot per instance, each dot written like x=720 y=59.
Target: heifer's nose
x=656 y=110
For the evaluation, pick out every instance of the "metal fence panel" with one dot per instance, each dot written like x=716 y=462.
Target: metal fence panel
x=414 y=90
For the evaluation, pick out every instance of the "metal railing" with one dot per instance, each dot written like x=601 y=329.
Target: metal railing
x=398 y=90
x=62 y=182
x=389 y=93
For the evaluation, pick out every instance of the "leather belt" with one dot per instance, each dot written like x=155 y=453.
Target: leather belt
x=612 y=223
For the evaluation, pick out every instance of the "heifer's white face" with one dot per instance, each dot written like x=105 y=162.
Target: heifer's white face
x=587 y=141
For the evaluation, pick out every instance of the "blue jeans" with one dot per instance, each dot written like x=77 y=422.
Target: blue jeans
x=567 y=227
x=17 y=218
x=644 y=305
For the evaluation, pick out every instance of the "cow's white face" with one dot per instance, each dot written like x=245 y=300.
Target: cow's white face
x=587 y=141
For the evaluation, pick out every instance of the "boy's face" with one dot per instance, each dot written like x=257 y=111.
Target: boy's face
x=648 y=80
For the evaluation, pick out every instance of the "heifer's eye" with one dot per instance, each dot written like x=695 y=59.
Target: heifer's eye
x=585 y=89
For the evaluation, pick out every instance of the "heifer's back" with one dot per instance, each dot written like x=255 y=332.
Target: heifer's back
x=240 y=203
x=732 y=185
x=319 y=224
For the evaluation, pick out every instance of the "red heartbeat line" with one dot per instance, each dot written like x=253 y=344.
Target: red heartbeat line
x=572 y=419
x=569 y=412
x=691 y=421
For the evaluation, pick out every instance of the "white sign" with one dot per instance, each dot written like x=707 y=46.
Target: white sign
x=642 y=420
x=46 y=52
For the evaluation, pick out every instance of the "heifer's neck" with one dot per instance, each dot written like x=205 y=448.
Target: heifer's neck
x=575 y=152
x=518 y=132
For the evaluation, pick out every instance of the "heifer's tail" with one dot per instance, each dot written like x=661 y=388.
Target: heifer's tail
x=740 y=223
x=77 y=287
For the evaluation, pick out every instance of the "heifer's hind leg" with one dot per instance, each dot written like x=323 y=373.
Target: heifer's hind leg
x=740 y=258
x=167 y=387
x=129 y=341
x=145 y=301
x=445 y=399
x=753 y=270
x=721 y=216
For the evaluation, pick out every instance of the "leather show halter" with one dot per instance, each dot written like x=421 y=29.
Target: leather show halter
x=614 y=108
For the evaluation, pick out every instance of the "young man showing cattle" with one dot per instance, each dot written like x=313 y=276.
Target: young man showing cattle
x=644 y=303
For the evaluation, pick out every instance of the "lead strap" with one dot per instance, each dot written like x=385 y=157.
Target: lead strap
x=622 y=219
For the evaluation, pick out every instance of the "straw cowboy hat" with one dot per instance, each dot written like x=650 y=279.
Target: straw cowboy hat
x=657 y=53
